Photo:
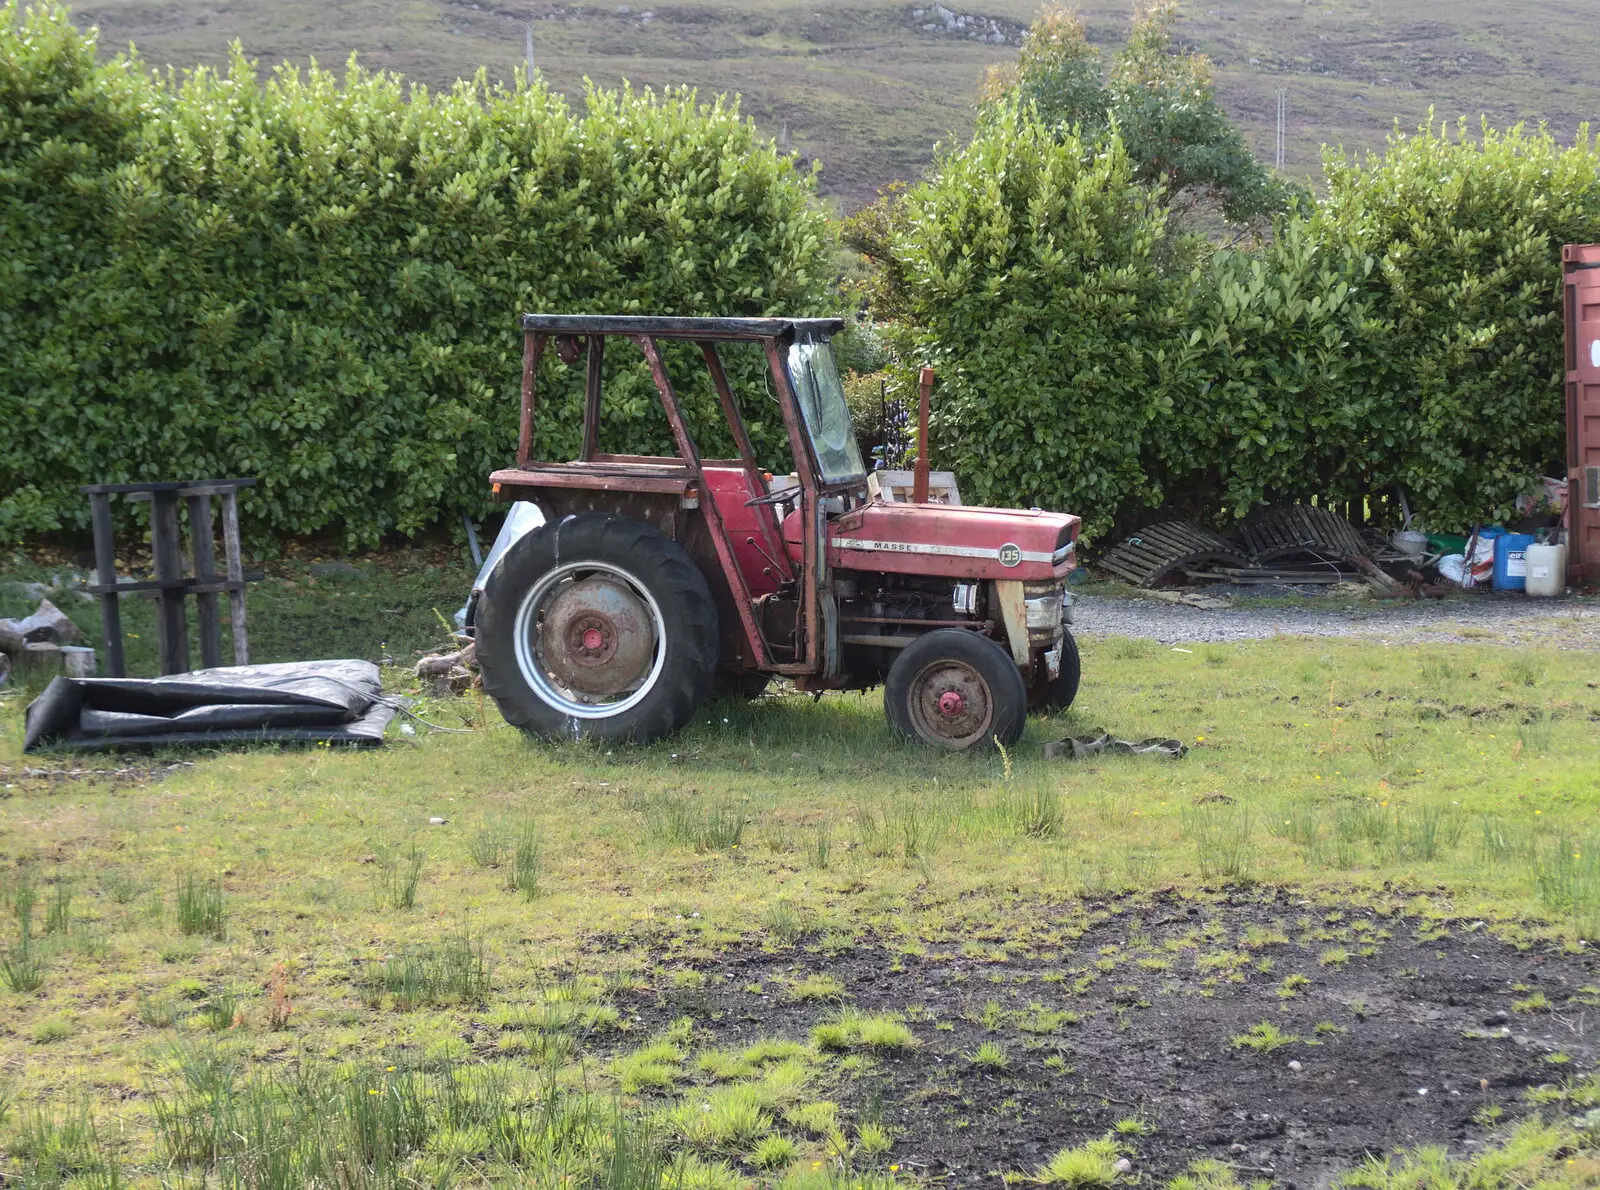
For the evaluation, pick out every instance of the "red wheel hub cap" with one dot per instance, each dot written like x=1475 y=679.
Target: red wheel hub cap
x=592 y=638
x=951 y=703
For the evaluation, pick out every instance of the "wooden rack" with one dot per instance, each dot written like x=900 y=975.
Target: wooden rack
x=170 y=584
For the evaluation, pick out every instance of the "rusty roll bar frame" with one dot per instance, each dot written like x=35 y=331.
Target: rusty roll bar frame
x=774 y=335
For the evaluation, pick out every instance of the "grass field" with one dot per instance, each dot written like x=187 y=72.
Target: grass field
x=868 y=91
x=786 y=948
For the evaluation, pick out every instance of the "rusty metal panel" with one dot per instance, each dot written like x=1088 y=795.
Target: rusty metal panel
x=1581 y=269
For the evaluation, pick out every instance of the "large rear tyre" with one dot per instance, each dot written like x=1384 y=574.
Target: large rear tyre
x=599 y=627
x=955 y=689
x=1058 y=693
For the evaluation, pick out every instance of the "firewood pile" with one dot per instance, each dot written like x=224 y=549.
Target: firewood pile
x=450 y=670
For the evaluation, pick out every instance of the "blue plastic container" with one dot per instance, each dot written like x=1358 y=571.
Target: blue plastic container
x=1511 y=561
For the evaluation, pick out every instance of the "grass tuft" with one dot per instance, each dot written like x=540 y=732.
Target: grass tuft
x=456 y=971
x=201 y=910
x=1089 y=1166
x=820 y=988
x=1265 y=1038
x=857 y=1030
x=990 y=1055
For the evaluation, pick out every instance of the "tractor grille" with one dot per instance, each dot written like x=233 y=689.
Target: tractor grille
x=1044 y=612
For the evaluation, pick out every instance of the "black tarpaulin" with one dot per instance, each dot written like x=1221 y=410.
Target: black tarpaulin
x=337 y=701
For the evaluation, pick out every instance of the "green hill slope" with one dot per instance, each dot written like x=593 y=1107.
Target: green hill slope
x=868 y=88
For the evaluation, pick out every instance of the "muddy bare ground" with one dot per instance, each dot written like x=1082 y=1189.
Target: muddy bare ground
x=1416 y=1039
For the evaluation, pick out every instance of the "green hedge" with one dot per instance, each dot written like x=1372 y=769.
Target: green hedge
x=1030 y=276
x=315 y=281
x=1403 y=331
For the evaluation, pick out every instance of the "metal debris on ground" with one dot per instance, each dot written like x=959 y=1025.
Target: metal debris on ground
x=1101 y=741
x=1297 y=546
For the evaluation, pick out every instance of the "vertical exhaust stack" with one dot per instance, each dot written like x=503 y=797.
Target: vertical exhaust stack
x=919 y=482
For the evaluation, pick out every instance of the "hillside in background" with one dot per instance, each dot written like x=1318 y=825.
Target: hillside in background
x=869 y=88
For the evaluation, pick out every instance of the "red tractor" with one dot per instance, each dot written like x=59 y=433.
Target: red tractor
x=656 y=580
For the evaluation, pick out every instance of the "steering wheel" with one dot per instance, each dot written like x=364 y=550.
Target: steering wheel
x=782 y=496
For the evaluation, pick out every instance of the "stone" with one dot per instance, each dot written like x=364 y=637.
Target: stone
x=1296 y=1067
x=1123 y=1165
x=50 y=623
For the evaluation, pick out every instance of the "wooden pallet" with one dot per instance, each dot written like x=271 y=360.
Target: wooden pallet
x=1300 y=529
x=1153 y=553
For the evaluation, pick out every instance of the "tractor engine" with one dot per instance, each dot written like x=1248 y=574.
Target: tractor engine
x=879 y=614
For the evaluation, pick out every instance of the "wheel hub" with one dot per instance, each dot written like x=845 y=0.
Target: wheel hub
x=597 y=637
x=951 y=704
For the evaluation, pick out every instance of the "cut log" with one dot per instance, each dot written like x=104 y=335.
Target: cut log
x=41 y=660
x=443 y=663
x=456 y=680
x=1375 y=576
x=11 y=639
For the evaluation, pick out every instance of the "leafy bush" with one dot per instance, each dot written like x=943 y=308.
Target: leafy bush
x=1404 y=332
x=1464 y=242
x=316 y=283
x=1034 y=275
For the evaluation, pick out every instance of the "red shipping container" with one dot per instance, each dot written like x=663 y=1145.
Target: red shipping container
x=1581 y=274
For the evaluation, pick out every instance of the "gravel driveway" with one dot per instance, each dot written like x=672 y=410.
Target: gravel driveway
x=1486 y=618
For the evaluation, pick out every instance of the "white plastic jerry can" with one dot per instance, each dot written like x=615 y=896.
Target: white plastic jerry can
x=1547 y=569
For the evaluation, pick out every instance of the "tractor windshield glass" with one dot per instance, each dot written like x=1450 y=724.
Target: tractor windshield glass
x=827 y=416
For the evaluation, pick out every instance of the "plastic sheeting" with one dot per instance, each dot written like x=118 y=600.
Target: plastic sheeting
x=309 y=701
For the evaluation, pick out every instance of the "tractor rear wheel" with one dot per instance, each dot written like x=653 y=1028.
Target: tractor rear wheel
x=955 y=689
x=597 y=626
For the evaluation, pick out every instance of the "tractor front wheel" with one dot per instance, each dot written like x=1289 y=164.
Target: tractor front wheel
x=597 y=626
x=1058 y=693
x=955 y=689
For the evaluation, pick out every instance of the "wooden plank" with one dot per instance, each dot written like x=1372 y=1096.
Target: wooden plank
x=236 y=575
x=166 y=551
x=204 y=553
x=105 y=563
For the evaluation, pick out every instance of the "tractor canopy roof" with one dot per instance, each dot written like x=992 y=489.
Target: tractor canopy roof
x=699 y=329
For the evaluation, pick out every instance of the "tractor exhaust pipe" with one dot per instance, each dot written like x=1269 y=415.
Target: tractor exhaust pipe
x=919 y=481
